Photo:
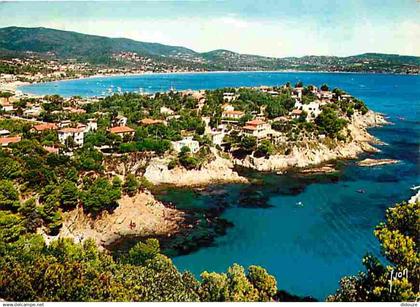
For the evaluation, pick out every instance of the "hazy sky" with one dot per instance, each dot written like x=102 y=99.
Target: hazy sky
x=266 y=27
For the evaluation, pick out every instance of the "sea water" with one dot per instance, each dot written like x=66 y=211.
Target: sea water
x=311 y=232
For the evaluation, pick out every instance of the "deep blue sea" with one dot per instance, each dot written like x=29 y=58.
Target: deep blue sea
x=308 y=248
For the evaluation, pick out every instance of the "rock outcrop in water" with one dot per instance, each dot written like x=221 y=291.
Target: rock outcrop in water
x=376 y=162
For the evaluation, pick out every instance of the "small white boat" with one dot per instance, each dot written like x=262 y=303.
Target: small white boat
x=299 y=203
x=415 y=188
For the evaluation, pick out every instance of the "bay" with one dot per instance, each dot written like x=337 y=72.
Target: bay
x=308 y=248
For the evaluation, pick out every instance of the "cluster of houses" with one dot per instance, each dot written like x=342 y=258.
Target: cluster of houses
x=259 y=126
x=51 y=69
x=6 y=139
x=68 y=132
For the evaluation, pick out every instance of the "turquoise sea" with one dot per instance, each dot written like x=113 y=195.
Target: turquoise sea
x=308 y=248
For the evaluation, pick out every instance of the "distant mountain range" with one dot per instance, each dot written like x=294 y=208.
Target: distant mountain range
x=99 y=50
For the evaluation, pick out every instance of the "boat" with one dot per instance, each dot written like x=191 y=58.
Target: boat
x=415 y=187
x=299 y=203
x=361 y=191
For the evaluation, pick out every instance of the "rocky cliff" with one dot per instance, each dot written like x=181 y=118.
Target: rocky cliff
x=141 y=215
x=218 y=170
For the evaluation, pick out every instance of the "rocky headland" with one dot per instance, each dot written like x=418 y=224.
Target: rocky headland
x=317 y=152
x=141 y=215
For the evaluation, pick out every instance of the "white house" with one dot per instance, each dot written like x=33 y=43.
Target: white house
x=193 y=145
x=92 y=125
x=77 y=134
x=35 y=111
x=229 y=97
x=227 y=107
x=296 y=113
x=120 y=121
x=326 y=95
x=166 y=111
x=298 y=92
x=217 y=137
x=4 y=133
x=312 y=108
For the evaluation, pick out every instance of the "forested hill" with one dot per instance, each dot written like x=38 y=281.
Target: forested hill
x=64 y=45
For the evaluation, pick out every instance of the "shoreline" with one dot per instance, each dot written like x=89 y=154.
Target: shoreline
x=17 y=87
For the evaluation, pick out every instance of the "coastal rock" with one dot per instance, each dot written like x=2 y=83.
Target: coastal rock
x=375 y=162
x=218 y=170
x=326 y=169
x=141 y=215
x=414 y=198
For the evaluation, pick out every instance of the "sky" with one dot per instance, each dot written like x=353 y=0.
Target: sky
x=276 y=28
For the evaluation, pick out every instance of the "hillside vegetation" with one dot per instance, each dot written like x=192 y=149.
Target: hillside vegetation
x=18 y=41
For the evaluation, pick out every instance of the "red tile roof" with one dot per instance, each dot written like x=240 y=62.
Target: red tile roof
x=10 y=139
x=46 y=126
x=233 y=112
x=255 y=122
x=120 y=129
x=297 y=112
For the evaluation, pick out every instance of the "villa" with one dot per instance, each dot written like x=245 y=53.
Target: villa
x=76 y=134
x=229 y=97
x=227 y=107
x=120 y=121
x=33 y=112
x=298 y=92
x=193 y=145
x=258 y=128
x=296 y=113
x=312 y=108
x=166 y=111
x=122 y=131
x=326 y=95
x=92 y=125
x=217 y=137
x=232 y=114
x=44 y=127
